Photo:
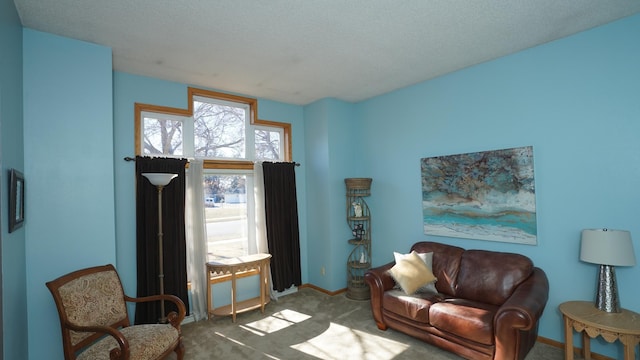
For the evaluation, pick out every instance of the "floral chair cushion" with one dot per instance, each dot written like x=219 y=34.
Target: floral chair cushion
x=95 y=299
x=146 y=342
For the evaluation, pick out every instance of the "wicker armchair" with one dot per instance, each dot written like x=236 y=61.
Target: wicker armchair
x=95 y=324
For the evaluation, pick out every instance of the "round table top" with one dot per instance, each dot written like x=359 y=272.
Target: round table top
x=627 y=321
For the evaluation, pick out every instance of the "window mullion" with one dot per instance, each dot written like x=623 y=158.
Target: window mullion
x=251 y=216
x=189 y=137
x=250 y=139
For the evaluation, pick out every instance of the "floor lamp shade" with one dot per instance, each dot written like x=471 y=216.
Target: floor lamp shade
x=608 y=248
x=160 y=180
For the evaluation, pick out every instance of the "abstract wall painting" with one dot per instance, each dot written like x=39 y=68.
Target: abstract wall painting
x=487 y=195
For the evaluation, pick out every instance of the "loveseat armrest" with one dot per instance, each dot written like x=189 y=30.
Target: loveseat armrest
x=380 y=278
x=516 y=321
x=379 y=281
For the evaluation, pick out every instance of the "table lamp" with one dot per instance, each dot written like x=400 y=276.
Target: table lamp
x=608 y=248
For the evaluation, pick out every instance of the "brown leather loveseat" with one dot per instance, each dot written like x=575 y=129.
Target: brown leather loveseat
x=487 y=304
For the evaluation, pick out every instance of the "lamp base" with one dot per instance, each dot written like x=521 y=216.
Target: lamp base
x=607 y=295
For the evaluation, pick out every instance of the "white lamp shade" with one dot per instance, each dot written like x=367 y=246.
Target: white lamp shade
x=607 y=247
x=159 y=179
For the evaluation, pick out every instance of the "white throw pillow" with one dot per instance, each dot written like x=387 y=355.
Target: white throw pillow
x=411 y=273
x=428 y=261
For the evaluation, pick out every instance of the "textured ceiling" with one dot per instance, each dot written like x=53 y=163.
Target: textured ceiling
x=301 y=51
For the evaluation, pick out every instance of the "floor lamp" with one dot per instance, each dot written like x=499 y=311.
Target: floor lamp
x=160 y=180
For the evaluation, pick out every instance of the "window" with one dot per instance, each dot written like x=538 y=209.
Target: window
x=223 y=130
x=162 y=134
x=229 y=220
x=268 y=143
x=217 y=127
x=220 y=129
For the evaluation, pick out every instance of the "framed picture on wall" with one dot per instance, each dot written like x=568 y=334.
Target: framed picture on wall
x=487 y=195
x=16 y=200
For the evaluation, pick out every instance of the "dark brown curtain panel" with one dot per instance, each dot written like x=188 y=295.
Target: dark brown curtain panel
x=173 y=228
x=283 y=235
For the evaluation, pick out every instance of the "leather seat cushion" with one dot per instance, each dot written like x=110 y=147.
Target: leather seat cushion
x=465 y=318
x=414 y=307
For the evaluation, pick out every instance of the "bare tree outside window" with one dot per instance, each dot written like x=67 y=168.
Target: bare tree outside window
x=162 y=136
x=219 y=130
x=267 y=145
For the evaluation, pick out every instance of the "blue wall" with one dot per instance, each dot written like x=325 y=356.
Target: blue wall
x=14 y=292
x=331 y=139
x=316 y=140
x=294 y=115
x=127 y=90
x=68 y=151
x=575 y=100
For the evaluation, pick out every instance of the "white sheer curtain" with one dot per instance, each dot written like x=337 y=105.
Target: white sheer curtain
x=196 y=238
x=261 y=224
x=196 y=233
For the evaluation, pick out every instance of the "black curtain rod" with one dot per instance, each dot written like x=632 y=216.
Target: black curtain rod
x=129 y=158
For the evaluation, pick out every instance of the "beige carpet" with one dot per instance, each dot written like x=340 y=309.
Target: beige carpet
x=313 y=325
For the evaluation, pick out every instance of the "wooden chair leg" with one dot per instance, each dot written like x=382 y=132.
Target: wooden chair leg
x=180 y=350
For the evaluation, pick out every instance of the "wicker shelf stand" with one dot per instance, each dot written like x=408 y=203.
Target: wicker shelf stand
x=359 y=221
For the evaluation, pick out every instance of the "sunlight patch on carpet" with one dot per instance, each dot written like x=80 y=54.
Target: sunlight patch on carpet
x=276 y=322
x=244 y=345
x=340 y=342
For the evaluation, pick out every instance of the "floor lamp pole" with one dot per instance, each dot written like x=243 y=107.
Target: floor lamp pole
x=163 y=318
x=160 y=180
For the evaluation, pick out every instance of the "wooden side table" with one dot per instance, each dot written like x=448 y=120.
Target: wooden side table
x=584 y=317
x=230 y=270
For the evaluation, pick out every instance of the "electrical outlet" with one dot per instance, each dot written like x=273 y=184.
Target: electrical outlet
x=322 y=271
